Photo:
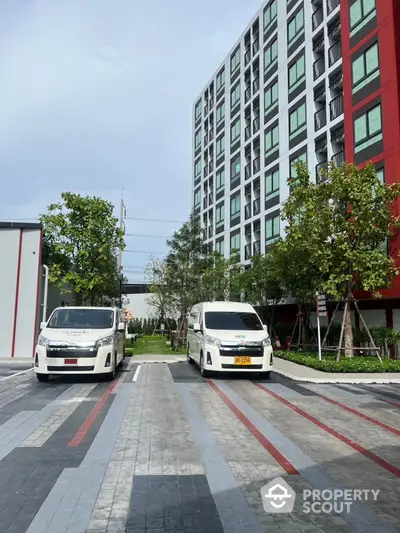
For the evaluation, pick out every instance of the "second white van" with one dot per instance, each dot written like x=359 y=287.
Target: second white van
x=228 y=337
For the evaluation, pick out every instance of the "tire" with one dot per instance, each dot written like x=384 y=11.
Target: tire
x=203 y=372
x=42 y=377
x=188 y=358
x=110 y=376
x=265 y=375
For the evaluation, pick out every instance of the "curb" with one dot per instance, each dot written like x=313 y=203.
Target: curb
x=354 y=381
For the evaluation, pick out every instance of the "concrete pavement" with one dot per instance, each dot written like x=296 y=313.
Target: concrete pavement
x=161 y=449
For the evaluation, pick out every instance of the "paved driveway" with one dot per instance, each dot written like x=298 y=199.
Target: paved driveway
x=160 y=449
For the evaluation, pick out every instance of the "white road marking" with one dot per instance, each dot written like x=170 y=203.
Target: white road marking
x=136 y=374
x=16 y=374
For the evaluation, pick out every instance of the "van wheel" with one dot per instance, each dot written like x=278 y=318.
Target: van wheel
x=188 y=358
x=42 y=377
x=203 y=372
x=110 y=376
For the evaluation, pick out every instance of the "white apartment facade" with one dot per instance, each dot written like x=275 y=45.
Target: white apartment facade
x=276 y=98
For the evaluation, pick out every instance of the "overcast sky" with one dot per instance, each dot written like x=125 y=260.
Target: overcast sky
x=96 y=95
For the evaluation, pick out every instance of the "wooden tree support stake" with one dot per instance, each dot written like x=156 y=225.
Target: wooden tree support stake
x=368 y=332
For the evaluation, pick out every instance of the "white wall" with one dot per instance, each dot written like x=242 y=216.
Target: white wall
x=139 y=306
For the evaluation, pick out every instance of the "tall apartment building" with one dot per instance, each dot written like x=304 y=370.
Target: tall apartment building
x=316 y=80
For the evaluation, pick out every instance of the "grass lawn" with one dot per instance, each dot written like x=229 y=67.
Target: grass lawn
x=148 y=344
x=358 y=363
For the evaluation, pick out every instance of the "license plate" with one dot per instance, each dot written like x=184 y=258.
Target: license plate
x=242 y=360
x=70 y=361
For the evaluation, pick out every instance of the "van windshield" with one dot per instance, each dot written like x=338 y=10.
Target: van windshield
x=232 y=321
x=82 y=319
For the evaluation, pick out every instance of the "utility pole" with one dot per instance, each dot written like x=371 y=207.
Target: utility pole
x=122 y=215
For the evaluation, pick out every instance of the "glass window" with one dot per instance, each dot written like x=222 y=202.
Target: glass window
x=197 y=168
x=272 y=184
x=293 y=172
x=197 y=198
x=197 y=112
x=296 y=26
x=235 y=60
x=220 y=214
x=81 y=319
x=235 y=130
x=232 y=321
x=219 y=246
x=220 y=145
x=380 y=174
x=197 y=139
x=235 y=242
x=220 y=79
x=271 y=54
x=368 y=129
x=235 y=205
x=297 y=121
x=271 y=139
x=235 y=95
x=270 y=14
x=235 y=167
x=272 y=229
x=365 y=68
x=271 y=96
x=361 y=12
x=220 y=112
x=220 y=179
x=297 y=73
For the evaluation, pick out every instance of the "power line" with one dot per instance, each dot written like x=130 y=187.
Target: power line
x=152 y=236
x=144 y=252
x=156 y=220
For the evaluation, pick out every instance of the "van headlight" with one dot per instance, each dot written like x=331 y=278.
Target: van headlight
x=266 y=341
x=105 y=341
x=211 y=340
x=42 y=341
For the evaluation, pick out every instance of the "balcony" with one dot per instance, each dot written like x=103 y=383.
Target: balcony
x=211 y=103
x=247 y=94
x=335 y=53
x=256 y=165
x=210 y=166
x=256 y=124
x=336 y=107
x=205 y=171
x=319 y=45
x=317 y=18
x=206 y=109
x=247 y=211
x=204 y=234
x=256 y=206
x=205 y=140
x=337 y=135
x=256 y=44
x=210 y=198
x=211 y=132
x=247 y=252
x=318 y=168
x=256 y=84
x=247 y=171
x=332 y=4
x=247 y=132
x=210 y=231
x=320 y=119
x=320 y=94
x=257 y=247
x=334 y=32
x=247 y=57
x=205 y=202
x=319 y=67
x=338 y=158
x=336 y=81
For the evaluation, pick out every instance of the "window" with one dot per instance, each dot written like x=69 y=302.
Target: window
x=270 y=14
x=380 y=174
x=235 y=242
x=219 y=215
x=220 y=179
x=272 y=184
x=297 y=121
x=271 y=140
x=361 y=12
x=368 y=129
x=197 y=110
x=197 y=139
x=235 y=167
x=365 y=68
x=235 y=60
x=272 y=229
x=235 y=130
x=232 y=321
x=271 y=97
x=220 y=145
x=293 y=171
x=219 y=246
x=235 y=95
x=297 y=73
x=220 y=79
x=197 y=168
x=270 y=55
x=81 y=319
x=296 y=26
x=235 y=206
x=220 y=112
x=197 y=198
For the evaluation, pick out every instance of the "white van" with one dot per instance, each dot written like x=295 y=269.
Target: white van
x=228 y=337
x=80 y=340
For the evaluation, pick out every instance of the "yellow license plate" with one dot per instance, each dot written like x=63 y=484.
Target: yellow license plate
x=242 y=360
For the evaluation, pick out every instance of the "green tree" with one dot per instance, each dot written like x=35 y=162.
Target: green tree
x=343 y=225
x=82 y=239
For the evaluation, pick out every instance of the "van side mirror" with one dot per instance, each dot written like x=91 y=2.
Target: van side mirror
x=265 y=327
x=121 y=327
x=43 y=325
x=196 y=327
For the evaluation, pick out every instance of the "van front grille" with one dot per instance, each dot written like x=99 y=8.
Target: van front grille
x=249 y=351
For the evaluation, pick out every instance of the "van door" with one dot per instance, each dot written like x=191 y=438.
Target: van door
x=119 y=337
x=194 y=339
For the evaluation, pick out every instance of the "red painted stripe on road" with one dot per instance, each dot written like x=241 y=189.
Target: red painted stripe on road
x=274 y=452
x=14 y=332
x=370 y=455
x=94 y=413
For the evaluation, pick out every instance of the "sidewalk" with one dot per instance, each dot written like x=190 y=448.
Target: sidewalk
x=303 y=373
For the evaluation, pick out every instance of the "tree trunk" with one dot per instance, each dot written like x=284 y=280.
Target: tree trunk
x=348 y=331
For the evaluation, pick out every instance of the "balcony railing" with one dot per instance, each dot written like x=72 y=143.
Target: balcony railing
x=205 y=170
x=210 y=198
x=256 y=165
x=211 y=166
x=256 y=45
x=210 y=232
x=205 y=202
x=247 y=132
x=320 y=119
x=211 y=103
x=211 y=132
x=319 y=45
x=318 y=168
x=247 y=94
x=337 y=135
x=205 y=140
x=256 y=124
x=247 y=57
x=335 y=53
x=336 y=107
x=319 y=67
x=320 y=94
x=247 y=171
x=205 y=233
x=338 y=158
x=317 y=18
x=334 y=33
x=256 y=206
x=256 y=84
x=256 y=247
x=332 y=4
x=247 y=211
x=247 y=252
